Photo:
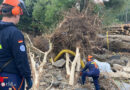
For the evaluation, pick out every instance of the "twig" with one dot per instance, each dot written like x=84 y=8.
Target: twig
x=51 y=81
x=45 y=58
x=34 y=46
x=67 y=64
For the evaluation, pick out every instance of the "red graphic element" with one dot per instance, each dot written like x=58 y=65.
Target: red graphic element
x=1 y=79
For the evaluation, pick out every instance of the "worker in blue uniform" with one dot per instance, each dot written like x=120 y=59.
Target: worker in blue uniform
x=14 y=65
x=91 y=70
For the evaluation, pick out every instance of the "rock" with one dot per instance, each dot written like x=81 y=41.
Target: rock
x=59 y=77
x=59 y=63
x=63 y=85
x=101 y=57
x=117 y=67
x=53 y=89
x=56 y=83
x=126 y=59
x=114 y=57
x=81 y=89
x=42 y=83
x=50 y=67
x=115 y=61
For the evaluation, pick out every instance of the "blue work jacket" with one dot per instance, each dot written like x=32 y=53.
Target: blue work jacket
x=92 y=68
x=12 y=47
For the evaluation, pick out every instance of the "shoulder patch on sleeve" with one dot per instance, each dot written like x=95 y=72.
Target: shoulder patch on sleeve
x=0 y=46
x=22 y=48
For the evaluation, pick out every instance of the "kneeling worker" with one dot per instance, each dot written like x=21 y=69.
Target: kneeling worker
x=93 y=71
x=14 y=65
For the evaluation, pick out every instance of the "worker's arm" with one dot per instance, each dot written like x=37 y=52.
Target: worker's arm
x=86 y=67
x=18 y=49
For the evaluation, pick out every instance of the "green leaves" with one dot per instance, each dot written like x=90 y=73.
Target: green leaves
x=49 y=12
x=112 y=10
x=46 y=14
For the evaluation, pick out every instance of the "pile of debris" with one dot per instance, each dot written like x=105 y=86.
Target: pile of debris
x=76 y=30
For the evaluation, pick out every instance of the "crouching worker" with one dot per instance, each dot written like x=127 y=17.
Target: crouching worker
x=14 y=65
x=93 y=71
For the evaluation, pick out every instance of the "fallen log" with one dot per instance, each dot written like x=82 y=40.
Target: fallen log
x=118 y=67
x=117 y=44
x=121 y=37
x=118 y=74
x=121 y=72
x=121 y=68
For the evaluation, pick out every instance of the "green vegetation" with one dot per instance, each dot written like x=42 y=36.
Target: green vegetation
x=46 y=14
x=114 y=11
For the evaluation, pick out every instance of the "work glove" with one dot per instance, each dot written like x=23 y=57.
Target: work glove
x=29 y=83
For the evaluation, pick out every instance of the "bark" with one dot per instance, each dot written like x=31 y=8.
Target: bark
x=34 y=72
x=121 y=68
x=118 y=74
x=72 y=73
x=117 y=42
x=67 y=64
x=78 y=63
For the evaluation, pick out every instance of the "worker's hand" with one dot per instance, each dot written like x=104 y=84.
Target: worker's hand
x=29 y=83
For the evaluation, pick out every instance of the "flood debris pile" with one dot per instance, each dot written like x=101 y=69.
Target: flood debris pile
x=41 y=43
x=76 y=30
x=106 y=83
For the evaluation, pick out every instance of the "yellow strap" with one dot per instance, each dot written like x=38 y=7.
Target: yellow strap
x=107 y=41
x=70 y=52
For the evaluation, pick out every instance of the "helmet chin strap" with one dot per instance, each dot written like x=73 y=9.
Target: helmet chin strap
x=23 y=6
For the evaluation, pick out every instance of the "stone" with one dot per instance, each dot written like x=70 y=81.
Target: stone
x=59 y=63
x=50 y=67
x=42 y=83
x=59 y=77
x=115 y=57
x=115 y=61
x=56 y=83
x=81 y=89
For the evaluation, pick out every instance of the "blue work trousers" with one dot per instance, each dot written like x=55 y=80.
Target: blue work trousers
x=95 y=79
x=11 y=82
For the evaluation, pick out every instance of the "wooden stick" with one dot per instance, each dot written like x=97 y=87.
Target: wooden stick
x=78 y=63
x=71 y=79
x=48 y=88
x=128 y=64
x=67 y=64
x=34 y=71
x=45 y=59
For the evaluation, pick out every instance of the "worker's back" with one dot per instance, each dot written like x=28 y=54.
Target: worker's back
x=5 y=55
x=9 y=49
x=93 y=67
